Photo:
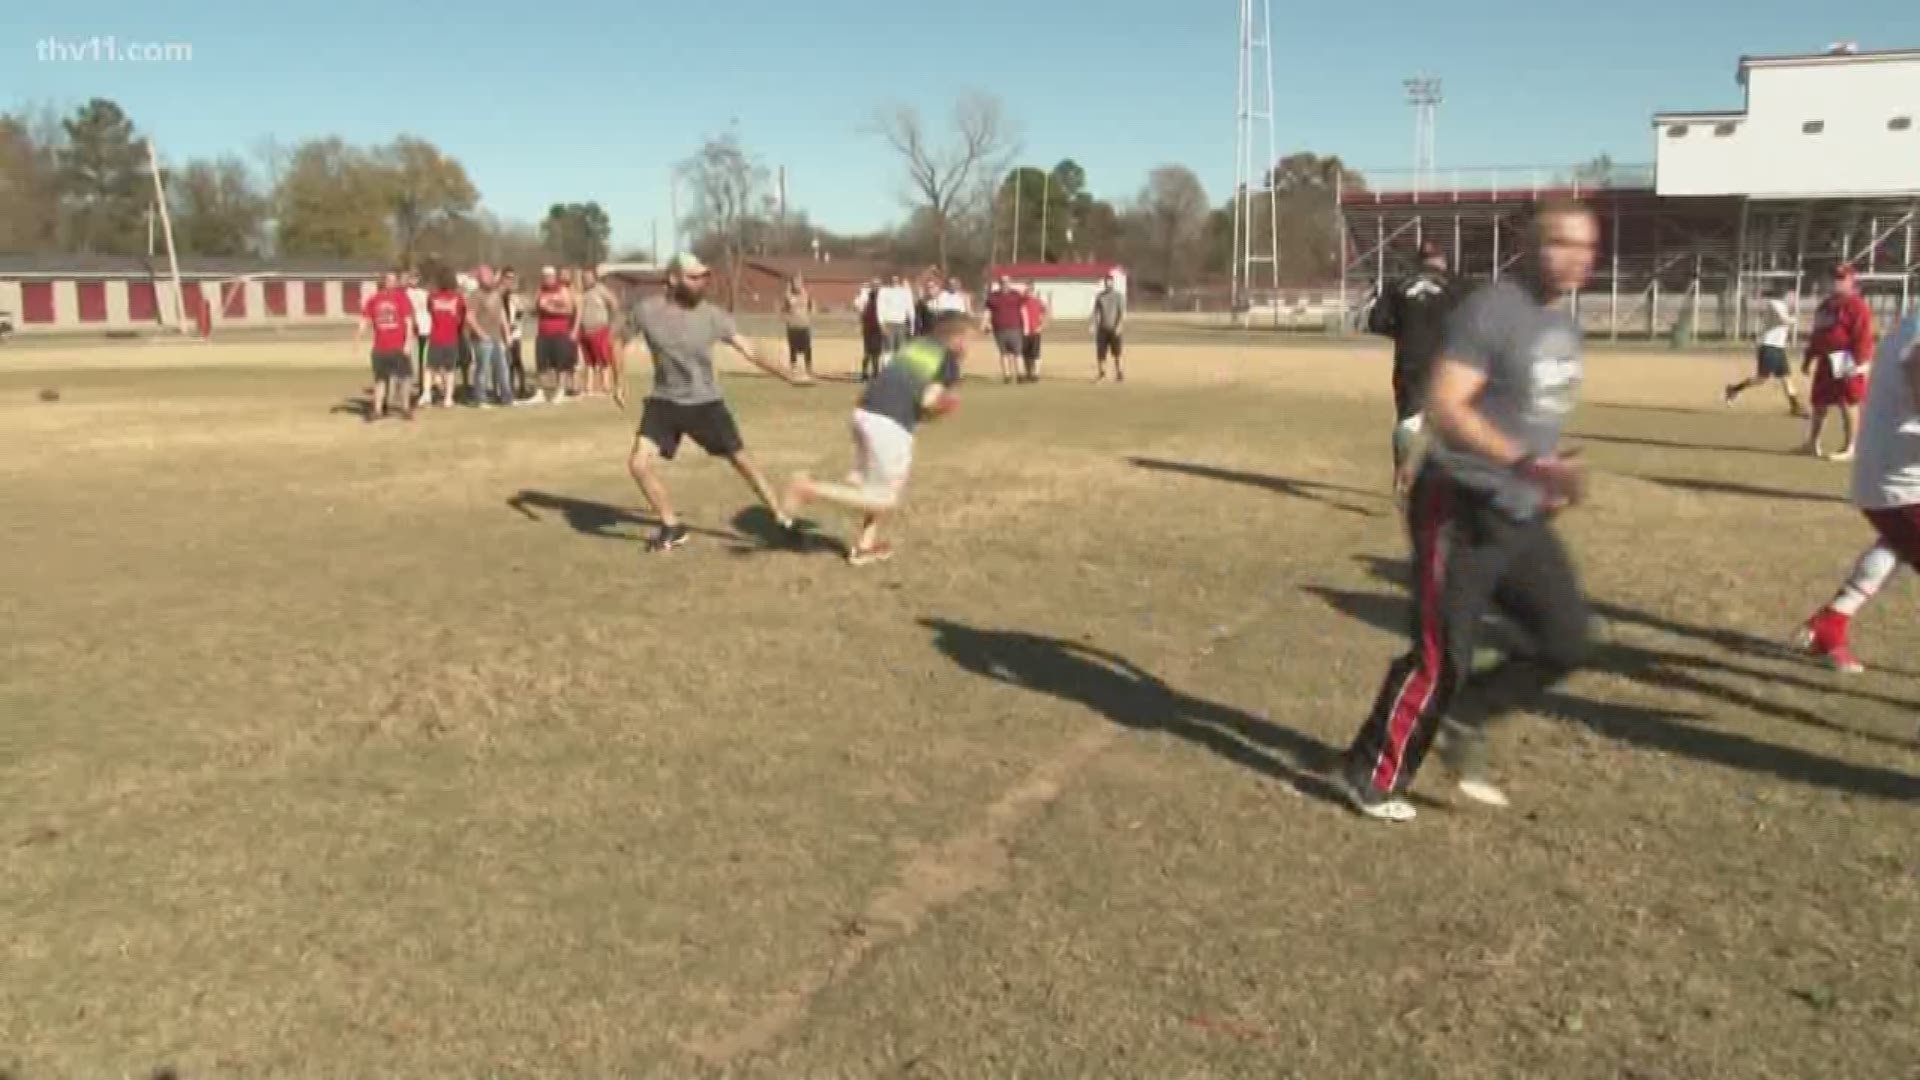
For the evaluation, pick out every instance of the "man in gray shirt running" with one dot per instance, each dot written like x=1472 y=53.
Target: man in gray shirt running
x=680 y=330
x=1480 y=515
x=1109 y=322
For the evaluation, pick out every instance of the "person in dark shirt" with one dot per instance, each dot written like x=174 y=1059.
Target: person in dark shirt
x=917 y=383
x=1414 y=312
x=872 y=341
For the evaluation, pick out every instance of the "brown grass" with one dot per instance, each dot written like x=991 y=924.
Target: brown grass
x=320 y=758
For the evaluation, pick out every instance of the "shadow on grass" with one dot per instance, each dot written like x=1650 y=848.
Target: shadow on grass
x=590 y=518
x=1309 y=490
x=1729 y=487
x=1668 y=444
x=1677 y=674
x=353 y=406
x=1128 y=695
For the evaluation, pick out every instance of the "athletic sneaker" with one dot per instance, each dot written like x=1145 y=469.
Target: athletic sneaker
x=880 y=552
x=668 y=537
x=1464 y=752
x=1372 y=803
x=1825 y=636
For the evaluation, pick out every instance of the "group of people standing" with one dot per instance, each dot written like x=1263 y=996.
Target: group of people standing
x=463 y=339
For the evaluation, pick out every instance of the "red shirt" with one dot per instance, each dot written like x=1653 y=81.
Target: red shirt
x=448 y=309
x=1006 y=310
x=1036 y=315
x=1842 y=324
x=391 y=316
x=555 y=324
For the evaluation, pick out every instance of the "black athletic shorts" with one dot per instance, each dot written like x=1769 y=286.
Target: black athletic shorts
x=1771 y=362
x=709 y=424
x=392 y=365
x=554 y=352
x=1030 y=348
x=1106 y=343
x=443 y=357
x=799 y=343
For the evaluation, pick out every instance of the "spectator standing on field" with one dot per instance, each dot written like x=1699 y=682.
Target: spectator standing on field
x=952 y=298
x=510 y=302
x=1006 y=321
x=872 y=338
x=597 y=310
x=487 y=312
x=797 y=306
x=1108 y=322
x=556 y=320
x=1035 y=318
x=896 y=314
x=1839 y=350
x=422 y=326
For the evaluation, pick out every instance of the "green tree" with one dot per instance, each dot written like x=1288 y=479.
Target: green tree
x=425 y=188
x=578 y=231
x=1036 y=214
x=1167 y=225
x=105 y=188
x=1306 y=187
x=333 y=201
x=217 y=208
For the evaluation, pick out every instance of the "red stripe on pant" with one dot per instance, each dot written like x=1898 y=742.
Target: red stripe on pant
x=1416 y=693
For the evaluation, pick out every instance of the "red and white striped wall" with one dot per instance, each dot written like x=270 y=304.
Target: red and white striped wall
x=81 y=304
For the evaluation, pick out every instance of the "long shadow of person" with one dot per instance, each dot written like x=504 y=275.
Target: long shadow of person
x=1669 y=731
x=353 y=406
x=1132 y=697
x=590 y=518
x=1308 y=490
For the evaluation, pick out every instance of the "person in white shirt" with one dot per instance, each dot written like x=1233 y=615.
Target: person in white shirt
x=896 y=314
x=951 y=298
x=422 y=324
x=1886 y=488
x=1771 y=363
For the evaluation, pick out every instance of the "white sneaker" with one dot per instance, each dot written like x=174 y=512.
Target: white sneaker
x=486 y=405
x=1374 y=805
x=1484 y=792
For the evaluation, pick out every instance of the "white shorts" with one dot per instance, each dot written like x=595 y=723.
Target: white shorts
x=882 y=456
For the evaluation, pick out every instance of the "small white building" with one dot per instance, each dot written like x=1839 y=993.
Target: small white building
x=1841 y=123
x=1067 y=289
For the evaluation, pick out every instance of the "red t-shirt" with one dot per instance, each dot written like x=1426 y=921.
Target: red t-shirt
x=391 y=316
x=1036 y=315
x=1842 y=324
x=551 y=323
x=448 y=310
x=1006 y=309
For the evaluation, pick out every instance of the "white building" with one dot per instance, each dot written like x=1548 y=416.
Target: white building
x=1067 y=289
x=1837 y=124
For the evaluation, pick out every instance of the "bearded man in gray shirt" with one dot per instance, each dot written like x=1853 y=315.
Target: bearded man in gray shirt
x=1481 y=514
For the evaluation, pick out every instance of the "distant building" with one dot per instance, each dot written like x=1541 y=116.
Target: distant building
x=1067 y=289
x=833 y=283
x=122 y=294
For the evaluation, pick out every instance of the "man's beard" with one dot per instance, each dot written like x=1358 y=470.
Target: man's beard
x=688 y=294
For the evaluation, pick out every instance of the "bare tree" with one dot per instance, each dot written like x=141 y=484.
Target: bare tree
x=1170 y=218
x=941 y=178
x=728 y=191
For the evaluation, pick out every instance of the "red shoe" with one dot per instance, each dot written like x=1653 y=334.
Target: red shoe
x=1825 y=636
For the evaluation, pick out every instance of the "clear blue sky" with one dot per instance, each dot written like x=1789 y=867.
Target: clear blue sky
x=1119 y=85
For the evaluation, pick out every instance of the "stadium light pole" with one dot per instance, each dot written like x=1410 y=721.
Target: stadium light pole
x=1423 y=93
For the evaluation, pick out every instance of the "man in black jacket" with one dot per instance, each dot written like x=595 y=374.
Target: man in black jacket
x=1413 y=312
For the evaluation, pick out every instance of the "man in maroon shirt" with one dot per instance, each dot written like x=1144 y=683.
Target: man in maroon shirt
x=1838 y=352
x=1007 y=320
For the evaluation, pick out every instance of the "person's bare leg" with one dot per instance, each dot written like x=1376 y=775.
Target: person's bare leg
x=1793 y=395
x=643 y=466
x=869 y=534
x=1849 y=424
x=1814 y=430
x=757 y=480
x=379 y=403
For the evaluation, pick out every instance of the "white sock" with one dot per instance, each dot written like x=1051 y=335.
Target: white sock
x=1869 y=576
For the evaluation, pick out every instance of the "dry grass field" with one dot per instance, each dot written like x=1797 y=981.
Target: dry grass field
x=337 y=750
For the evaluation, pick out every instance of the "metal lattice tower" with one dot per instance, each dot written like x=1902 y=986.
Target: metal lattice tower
x=1423 y=93
x=1256 y=239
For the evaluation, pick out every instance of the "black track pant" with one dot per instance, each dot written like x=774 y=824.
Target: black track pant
x=1469 y=559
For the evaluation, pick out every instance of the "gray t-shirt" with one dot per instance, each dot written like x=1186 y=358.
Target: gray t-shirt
x=1530 y=355
x=681 y=341
x=1109 y=307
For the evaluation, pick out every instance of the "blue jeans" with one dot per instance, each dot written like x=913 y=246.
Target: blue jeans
x=490 y=375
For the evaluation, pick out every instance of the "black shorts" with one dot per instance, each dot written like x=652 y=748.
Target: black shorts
x=554 y=352
x=1030 y=348
x=443 y=357
x=799 y=343
x=1106 y=343
x=709 y=424
x=1771 y=362
x=392 y=365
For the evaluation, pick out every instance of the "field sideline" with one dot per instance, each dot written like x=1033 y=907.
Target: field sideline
x=337 y=750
